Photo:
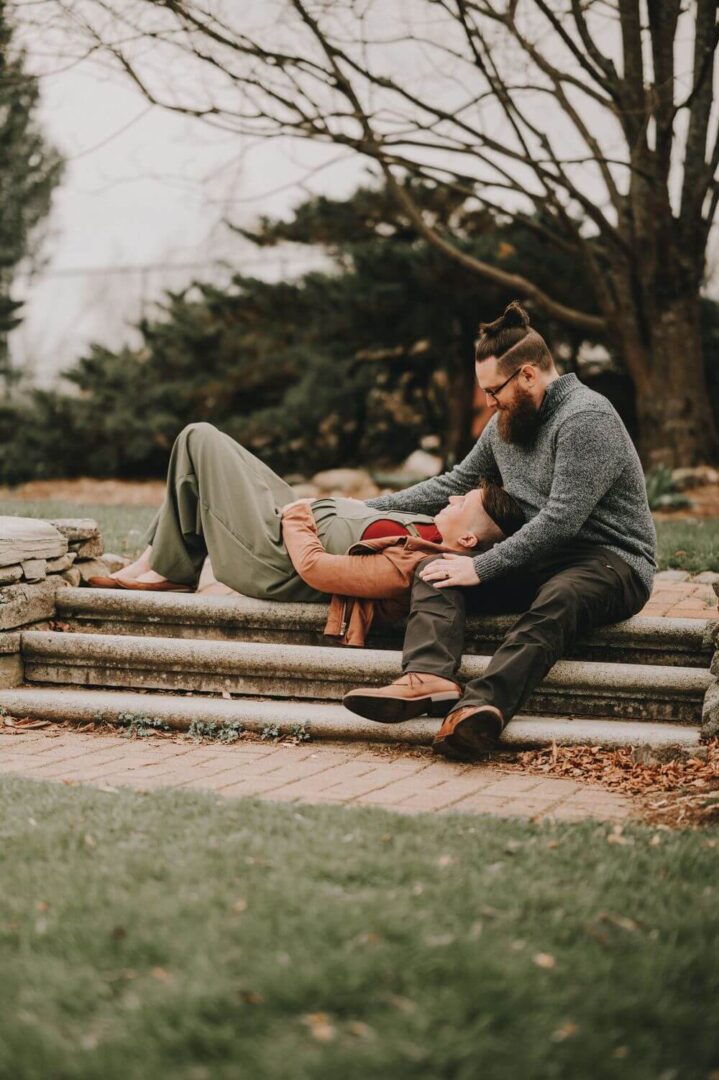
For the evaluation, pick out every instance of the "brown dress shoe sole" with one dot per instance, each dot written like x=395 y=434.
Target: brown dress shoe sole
x=396 y=710
x=473 y=739
x=447 y=749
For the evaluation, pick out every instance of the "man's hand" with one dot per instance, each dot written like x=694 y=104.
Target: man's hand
x=450 y=570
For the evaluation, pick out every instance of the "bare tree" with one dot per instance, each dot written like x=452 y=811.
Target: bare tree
x=592 y=121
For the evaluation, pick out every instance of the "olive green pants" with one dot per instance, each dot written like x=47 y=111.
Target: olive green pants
x=224 y=502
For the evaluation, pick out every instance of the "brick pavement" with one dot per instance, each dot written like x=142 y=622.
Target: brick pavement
x=681 y=600
x=331 y=773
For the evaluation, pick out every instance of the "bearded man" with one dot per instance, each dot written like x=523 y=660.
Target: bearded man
x=584 y=558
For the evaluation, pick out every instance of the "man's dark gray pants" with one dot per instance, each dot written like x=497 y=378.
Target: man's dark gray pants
x=565 y=596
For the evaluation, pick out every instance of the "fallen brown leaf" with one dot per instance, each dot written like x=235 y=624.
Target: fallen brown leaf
x=319 y=1026
x=370 y=937
x=675 y=791
x=565 y=1031
x=360 y=1030
x=251 y=997
x=622 y=921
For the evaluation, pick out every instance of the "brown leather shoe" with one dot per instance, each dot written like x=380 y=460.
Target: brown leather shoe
x=469 y=733
x=411 y=695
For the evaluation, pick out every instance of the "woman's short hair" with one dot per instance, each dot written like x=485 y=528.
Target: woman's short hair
x=504 y=510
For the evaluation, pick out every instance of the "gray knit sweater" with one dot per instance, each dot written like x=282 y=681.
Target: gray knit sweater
x=581 y=479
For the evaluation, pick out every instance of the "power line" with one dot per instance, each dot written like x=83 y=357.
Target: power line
x=89 y=271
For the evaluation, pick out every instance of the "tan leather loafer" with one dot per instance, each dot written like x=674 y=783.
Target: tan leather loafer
x=156 y=586
x=117 y=583
x=414 y=694
x=103 y=583
x=469 y=733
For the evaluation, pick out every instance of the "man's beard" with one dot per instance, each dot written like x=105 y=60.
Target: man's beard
x=520 y=423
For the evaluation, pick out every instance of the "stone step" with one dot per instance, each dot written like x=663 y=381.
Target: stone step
x=573 y=687
x=321 y=720
x=641 y=640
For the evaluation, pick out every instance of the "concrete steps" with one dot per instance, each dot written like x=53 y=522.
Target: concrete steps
x=321 y=720
x=171 y=656
x=665 y=642
x=657 y=693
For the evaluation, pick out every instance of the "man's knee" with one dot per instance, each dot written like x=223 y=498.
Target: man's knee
x=199 y=440
x=200 y=430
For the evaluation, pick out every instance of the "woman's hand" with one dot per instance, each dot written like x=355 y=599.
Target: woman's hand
x=449 y=571
x=297 y=502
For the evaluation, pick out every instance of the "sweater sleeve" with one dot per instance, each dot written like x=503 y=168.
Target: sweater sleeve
x=370 y=577
x=430 y=496
x=588 y=459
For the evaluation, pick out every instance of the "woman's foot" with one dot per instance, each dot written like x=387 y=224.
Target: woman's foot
x=148 y=577
x=134 y=570
x=137 y=575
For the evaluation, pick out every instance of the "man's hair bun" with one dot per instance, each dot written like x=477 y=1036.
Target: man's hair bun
x=514 y=317
x=512 y=341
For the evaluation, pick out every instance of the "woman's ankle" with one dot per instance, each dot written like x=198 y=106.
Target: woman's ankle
x=135 y=569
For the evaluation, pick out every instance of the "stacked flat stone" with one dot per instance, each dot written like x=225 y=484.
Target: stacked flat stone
x=37 y=557
x=710 y=713
x=84 y=548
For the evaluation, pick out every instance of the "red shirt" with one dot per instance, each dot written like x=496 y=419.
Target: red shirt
x=385 y=527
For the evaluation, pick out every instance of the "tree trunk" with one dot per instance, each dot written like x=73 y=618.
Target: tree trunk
x=458 y=438
x=676 y=422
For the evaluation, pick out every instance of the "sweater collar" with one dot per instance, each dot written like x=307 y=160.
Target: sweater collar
x=556 y=393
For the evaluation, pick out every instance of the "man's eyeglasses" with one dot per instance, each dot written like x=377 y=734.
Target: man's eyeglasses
x=493 y=393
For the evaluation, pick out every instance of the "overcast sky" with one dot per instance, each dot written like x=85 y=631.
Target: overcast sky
x=142 y=206
x=145 y=188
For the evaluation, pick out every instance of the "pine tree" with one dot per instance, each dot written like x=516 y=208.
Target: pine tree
x=30 y=168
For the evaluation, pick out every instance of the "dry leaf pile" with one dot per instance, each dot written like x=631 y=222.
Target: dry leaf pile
x=677 y=790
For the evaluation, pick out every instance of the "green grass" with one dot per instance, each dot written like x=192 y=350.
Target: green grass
x=688 y=545
x=177 y=935
x=123 y=526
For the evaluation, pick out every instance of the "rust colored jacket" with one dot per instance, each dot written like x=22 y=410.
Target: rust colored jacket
x=373 y=580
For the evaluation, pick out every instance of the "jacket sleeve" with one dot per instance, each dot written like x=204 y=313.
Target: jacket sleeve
x=371 y=577
x=588 y=459
x=430 y=496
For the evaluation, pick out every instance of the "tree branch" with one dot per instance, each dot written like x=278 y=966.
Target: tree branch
x=513 y=282
x=696 y=175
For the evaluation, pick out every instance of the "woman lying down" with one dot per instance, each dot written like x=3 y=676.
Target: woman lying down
x=262 y=542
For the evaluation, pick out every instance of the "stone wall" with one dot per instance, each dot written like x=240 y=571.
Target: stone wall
x=710 y=711
x=36 y=559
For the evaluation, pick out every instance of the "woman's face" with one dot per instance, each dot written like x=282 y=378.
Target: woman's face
x=464 y=521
